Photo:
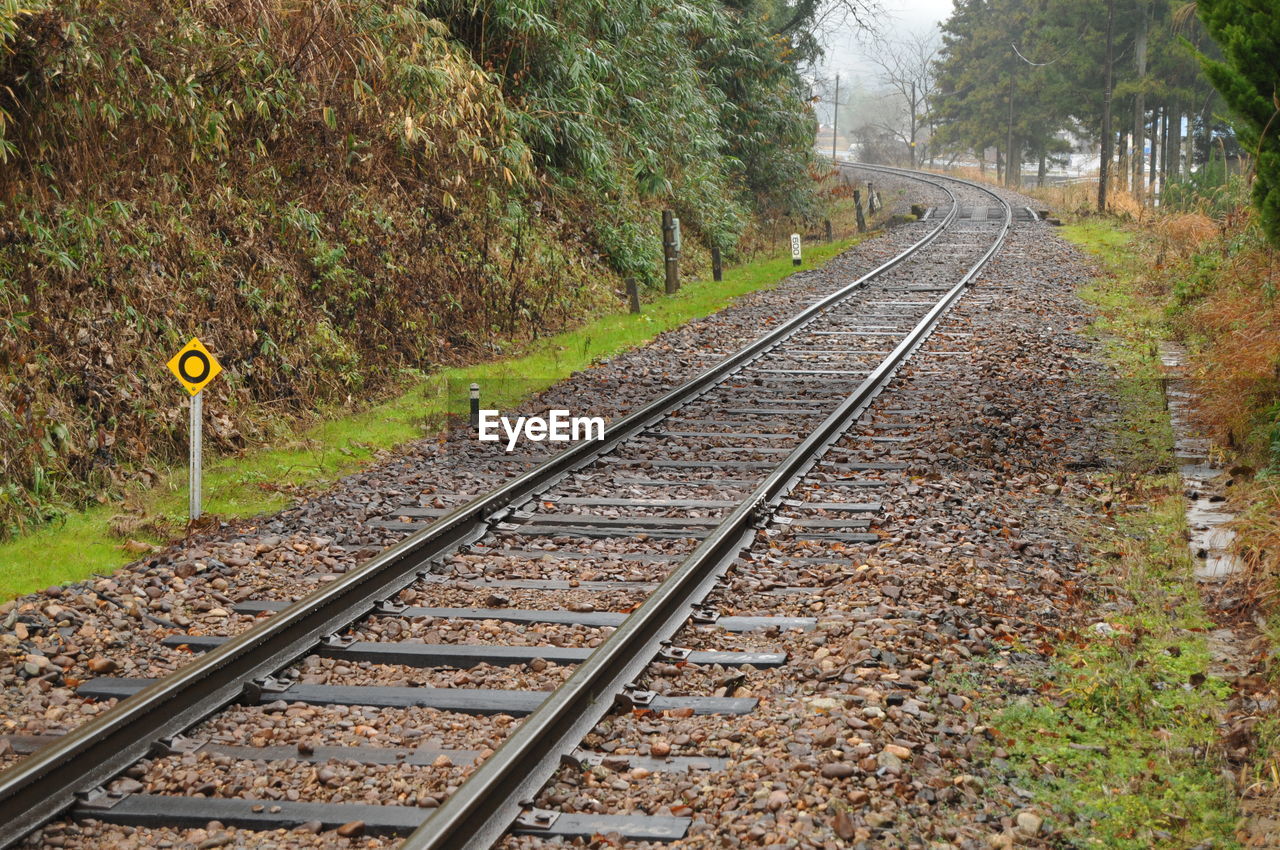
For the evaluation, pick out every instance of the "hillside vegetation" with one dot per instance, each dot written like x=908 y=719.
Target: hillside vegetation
x=335 y=195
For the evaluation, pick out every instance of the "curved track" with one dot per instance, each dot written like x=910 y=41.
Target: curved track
x=714 y=460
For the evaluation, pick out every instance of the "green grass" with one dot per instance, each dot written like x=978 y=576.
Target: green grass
x=1130 y=329
x=263 y=479
x=1102 y=238
x=1122 y=750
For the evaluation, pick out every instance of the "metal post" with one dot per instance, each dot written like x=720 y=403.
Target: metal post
x=475 y=405
x=195 y=467
x=633 y=294
x=857 y=204
x=827 y=226
x=670 y=261
x=717 y=270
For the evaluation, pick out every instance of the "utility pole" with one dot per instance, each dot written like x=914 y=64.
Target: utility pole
x=835 y=119
x=1014 y=158
x=913 y=124
x=1104 y=162
x=1010 y=171
x=1140 y=99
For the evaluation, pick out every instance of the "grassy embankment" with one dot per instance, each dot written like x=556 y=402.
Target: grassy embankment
x=262 y=479
x=1122 y=751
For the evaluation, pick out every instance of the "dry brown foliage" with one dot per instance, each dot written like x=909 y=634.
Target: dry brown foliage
x=1183 y=234
x=1238 y=326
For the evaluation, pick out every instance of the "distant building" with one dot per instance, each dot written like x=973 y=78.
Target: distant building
x=822 y=141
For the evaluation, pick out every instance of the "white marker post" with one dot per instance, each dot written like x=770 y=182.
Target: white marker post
x=795 y=249
x=677 y=240
x=195 y=367
x=196 y=465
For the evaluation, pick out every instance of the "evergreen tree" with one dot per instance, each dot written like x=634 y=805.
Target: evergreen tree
x=967 y=101
x=1016 y=74
x=998 y=84
x=1249 y=80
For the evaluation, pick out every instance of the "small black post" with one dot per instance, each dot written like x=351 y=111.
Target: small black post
x=475 y=405
x=669 y=258
x=717 y=270
x=827 y=225
x=857 y=204
x=633 y=294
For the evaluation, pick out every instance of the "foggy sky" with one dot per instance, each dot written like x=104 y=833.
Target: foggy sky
x=846 y=52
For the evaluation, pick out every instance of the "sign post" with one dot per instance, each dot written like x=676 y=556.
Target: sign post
x=795 y=249
x=195 y=367
x=195 y=466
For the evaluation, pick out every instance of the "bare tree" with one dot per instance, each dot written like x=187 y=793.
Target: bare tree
x=828 y=14
x=906 y=68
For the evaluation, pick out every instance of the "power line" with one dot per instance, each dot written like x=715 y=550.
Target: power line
x=1029 y=62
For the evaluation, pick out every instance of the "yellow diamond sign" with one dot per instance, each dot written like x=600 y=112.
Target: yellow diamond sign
x=194 y=366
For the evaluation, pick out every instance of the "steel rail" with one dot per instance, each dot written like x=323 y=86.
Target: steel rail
x=477 y=815
x=46 y=783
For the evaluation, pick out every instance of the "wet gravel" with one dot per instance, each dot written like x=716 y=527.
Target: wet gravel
x=285 y=723
x=491 y=632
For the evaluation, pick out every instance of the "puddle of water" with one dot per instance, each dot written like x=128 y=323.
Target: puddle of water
x=1202 y=479
x=1210 y=542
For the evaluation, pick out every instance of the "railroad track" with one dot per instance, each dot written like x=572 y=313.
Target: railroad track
x=656 y=513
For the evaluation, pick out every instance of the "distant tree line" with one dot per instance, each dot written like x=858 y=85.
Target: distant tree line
x=1023 y=77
